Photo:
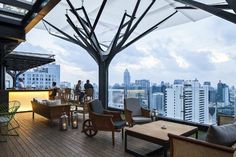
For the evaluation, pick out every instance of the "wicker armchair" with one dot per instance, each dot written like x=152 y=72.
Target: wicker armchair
x=8 y=123
x=88 y=95
x=225 y=119
x=102 y=120
x=181 y=146
x=134 y=113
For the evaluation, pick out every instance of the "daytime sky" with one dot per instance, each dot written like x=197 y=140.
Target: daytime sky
x=203 y=49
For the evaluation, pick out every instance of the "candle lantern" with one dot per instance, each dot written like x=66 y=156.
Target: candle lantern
x=154 y=114
x=63 y=122
x=74 y=120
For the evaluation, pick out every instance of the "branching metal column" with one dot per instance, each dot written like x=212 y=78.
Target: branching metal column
x=86 y=38
x=2 y=67
x=103 y=81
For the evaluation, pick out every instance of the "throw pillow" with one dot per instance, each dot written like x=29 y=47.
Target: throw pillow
x=222 y=135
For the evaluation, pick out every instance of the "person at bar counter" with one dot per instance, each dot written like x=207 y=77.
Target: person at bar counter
x=21 y=84
x=78 y=91
x=54 y=91
x=88 y=85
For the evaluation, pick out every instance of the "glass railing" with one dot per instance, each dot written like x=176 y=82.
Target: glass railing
x=117 y=96
x=157 y=100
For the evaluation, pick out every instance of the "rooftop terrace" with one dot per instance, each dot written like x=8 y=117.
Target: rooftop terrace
x=37 y=138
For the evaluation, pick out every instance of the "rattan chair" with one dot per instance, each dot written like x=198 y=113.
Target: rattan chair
x=102 y=120
x=88 y=95
x=8 y=122
x=225 y=119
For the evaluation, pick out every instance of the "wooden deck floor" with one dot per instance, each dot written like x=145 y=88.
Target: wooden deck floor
x=37 y=138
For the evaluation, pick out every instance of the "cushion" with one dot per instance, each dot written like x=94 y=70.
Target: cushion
x=119 y=124
x=53 y=102
x=40 y=101
x=133 y=105
x=141 y=119
x=222 y=135
x=96 y=106
x=234 y=146
x=4 y=119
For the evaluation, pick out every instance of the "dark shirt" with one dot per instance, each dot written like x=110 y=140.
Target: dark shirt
x=88 y=85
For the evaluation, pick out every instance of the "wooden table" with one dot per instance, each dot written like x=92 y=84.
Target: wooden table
x=155 y=133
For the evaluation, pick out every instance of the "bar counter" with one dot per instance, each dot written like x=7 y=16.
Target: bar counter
x=26 y=96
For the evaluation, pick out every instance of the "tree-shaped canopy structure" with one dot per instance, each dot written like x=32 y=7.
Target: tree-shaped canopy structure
x=106 y=27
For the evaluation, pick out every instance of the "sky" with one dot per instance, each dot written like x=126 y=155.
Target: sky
x=205 y=50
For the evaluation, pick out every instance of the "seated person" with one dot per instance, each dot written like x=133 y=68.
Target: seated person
x=78 y=91
x=21 y=84
x=53 y=92
x=88 y=85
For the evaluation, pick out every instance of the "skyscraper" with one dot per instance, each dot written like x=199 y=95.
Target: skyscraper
x=126 y=79
x=222 y=93
x=174 y=101
x=188 y=101
x=157 y=101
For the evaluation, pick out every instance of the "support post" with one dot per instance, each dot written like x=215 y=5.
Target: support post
x=2 y=76
x=2 y=68
x=103 y=82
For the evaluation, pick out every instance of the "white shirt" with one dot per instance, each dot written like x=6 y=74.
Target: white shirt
x=21 y=85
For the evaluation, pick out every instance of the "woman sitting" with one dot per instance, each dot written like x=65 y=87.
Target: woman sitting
x=53 y=92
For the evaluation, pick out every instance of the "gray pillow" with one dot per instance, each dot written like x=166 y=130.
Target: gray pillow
x=222 y=135
x=96 y=106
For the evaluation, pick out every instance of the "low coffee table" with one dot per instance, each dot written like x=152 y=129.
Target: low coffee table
x=157 y=132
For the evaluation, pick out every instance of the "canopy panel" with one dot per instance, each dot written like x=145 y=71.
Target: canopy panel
x=22 y=61
x=113 y=12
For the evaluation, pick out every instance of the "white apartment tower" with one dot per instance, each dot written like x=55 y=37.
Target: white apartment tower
x=174 y=101
x=188 y=101
x=42 y=77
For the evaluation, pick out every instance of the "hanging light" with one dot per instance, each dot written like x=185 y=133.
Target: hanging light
x=74 y=120
x=63 y=122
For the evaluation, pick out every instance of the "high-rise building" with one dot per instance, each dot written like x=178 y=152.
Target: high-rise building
x=143 y=84
x=178 y=82
x=174 y=101
x=196 y=102
x=126 y=79
x=222 y=93
x=212 y=95
x=42 y=77
x=157 y=101
x=188 y=101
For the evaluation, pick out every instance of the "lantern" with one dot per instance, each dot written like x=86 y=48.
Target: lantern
x=74 y=120
x=63 y=122
x=154 y=114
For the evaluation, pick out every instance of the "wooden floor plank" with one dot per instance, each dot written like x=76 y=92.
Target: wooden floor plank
x=38 y=139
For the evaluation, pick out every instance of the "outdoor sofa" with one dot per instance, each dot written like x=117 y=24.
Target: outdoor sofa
x=50 y=109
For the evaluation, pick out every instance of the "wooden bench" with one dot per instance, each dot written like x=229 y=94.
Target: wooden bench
x=50 y=112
